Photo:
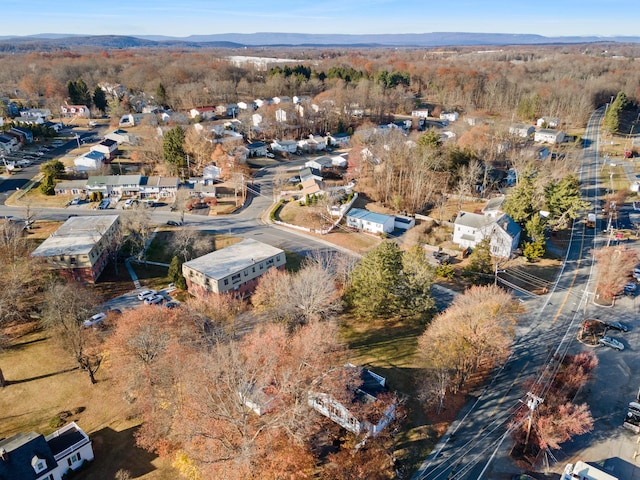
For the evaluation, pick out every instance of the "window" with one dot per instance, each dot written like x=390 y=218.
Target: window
x=226 y=281
x=72 y=260
x=73 y=458
x=253 y=269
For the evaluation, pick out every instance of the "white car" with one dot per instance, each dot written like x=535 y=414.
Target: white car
x=75 y=201
x=153 y=300
x=129 y=203
x=611 y=342
x=96 y=319
x=146 y=293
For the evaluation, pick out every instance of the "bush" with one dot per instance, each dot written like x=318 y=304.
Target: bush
x=274 y=212
x=444 y=271
x=56 y=422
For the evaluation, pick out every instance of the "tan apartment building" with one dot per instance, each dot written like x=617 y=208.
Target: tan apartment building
x=235 y=269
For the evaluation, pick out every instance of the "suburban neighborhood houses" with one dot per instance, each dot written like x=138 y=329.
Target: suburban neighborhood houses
x=367 y=262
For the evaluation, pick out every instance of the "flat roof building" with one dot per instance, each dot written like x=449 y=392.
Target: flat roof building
x=80 y=248
x=233 y=269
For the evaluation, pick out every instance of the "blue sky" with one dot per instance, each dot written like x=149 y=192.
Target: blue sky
x=198 y=17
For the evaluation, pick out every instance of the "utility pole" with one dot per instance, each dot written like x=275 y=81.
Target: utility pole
x=533 y=403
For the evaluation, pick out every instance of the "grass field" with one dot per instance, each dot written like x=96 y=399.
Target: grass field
x=45 y=383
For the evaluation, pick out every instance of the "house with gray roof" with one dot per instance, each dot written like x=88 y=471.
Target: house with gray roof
x=472 y=228
x=234 y=269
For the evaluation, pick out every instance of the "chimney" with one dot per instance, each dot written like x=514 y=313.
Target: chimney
x=4 y=456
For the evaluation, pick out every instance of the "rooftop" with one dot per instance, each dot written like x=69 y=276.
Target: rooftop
x=235 y=258
x=76 y=236
x=368 y=216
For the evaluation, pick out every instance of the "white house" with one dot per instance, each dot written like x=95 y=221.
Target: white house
x=340 y=139
x=107 y=146
x=297 y=99
x=281 y=115
x=547 y=135
x=234 y=269
x=256 y=119
x=320 y=163
x=263 y=102
x=420 y=113
x=81 y=111
x=471 y=228
x=521 y=130
x=158 y=186
x=370 y=221
x=287 y=146
x=90 y=161
x=205 y=113
x=211 y=172
x=119 y=135
x=449 y=116
x=348 y=395
x=548 y=122
x=279 y=100
x=27 y=456
x=257 y=149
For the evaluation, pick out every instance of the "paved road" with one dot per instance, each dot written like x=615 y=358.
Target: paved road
x=477 y=444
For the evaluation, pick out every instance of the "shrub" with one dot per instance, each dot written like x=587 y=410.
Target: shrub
x=444 y=271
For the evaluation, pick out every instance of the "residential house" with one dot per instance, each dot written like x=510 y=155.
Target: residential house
x=306 y=173
x=205 y=113
x=71 y=187
x=28 y=120
x=212 y=172
x=80 y=248
x=75 y=111
x=311 y=187
x=320 y=163
x=247 y=106
x=90 y=161
x=472 y=228
x=107 y=147
x=353 y=397
x=257 y=149
x=24 y=135
x=234 y=269
x=263 y=102
x=420 y=113
x=279 y=100
x=404 y=223
x=256 y=119
x=114 y=185
x=547 y=135
x=281 y=115
x=370 y=221
x=286 y=146
x=8 y=143
x=260 y=400
x=228 y=110
x=339 y=161
x=449 y=116
x=133 y=119
x=494 y=207
x=120 y=136
x=298 y=99
x=158 y=187
x=44 y=113
x=32 y=456
x=521 y=130
x=548 y=122
x=340 y=139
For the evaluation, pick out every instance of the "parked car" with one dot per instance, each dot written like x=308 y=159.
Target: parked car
x=611 y=342
x=630 y=289
x=172 y=304
x=621 y=327
x=154 y=300
x=75 y=201
x=129 y=203
x=95 y=320
x=636 y=273
x=104 y=204
x=173 y=223
x=146 y=293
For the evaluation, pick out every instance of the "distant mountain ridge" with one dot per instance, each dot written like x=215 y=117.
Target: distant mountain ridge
x=238 y=40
